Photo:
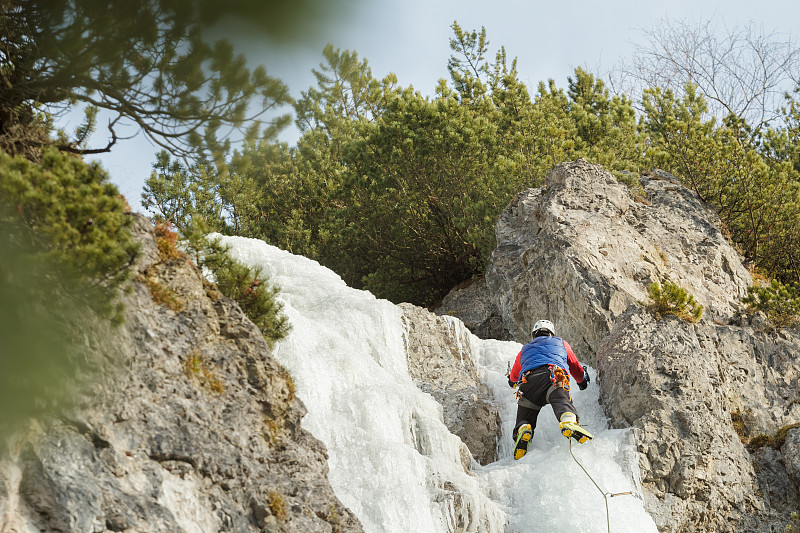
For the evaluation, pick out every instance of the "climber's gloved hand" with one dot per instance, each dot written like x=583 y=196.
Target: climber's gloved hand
x=585 y=383
x=512 y=384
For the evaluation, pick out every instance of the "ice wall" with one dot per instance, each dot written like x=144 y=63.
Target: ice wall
x=392 y=460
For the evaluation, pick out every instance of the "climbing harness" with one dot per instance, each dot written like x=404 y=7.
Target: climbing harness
x=524 y=402
x=606 y=495
x=558 y=377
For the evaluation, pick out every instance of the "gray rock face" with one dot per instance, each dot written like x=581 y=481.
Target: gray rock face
x=581 y=252
x=440 y=362
x=582 y=249
x=779 y=493
x=197 y=429
x=790 y=452
x=474 y=306
x=680 y=385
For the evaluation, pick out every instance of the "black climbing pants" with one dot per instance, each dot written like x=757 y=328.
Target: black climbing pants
x=539 y=391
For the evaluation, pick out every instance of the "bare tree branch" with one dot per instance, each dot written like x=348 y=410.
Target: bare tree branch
x=741 y=71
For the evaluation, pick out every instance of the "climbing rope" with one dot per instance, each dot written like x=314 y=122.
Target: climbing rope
x=606 y=495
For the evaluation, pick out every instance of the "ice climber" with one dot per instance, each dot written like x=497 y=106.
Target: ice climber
x=540 y=375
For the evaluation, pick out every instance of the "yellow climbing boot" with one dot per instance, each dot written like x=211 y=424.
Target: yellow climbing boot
x=524 y=436
x=570 y=428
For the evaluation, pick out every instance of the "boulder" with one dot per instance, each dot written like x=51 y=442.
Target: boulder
x=472 y=303
x=583 y=248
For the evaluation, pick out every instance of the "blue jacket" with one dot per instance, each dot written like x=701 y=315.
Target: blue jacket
x=543 y=351
x=547 y=351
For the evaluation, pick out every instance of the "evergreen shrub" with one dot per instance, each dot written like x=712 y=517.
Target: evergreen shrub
x=781 y=303
x=76 y=220
x=670 y=299
x=65 y=250
x=249 y=288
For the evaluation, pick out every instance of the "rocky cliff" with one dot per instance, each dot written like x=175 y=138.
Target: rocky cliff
x=581 y=252
x=195 y=429
x=694 y=392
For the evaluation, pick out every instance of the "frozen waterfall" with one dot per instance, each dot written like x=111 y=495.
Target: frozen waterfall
x=392 y=460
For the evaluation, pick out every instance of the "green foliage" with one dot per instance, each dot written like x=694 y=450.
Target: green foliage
x=276 y=504
x=241 y=283
x=795 y=522
x=255 y=296
x=782 y=433
x=670 y=299
x=346 y=93
x=605 y=127
x=776 y=441
x=163 y=295
x=751 y=183
x=148 y=62
x=77 y=222
x=410 y=236
x=196 y=367
x=334 y=518
x=781 y=303
x=399 y=193
x=177 y=195
x=468 y=63
x=65 y=251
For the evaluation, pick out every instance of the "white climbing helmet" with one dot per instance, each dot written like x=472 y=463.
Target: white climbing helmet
x=543 y=325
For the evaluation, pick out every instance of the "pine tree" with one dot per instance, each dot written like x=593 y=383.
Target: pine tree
x=145 y=62
x=75 y=218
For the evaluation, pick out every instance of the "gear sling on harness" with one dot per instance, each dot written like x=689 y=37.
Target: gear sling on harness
x=558 y=377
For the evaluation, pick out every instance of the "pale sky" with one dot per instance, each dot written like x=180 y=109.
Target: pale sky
x=411 y=39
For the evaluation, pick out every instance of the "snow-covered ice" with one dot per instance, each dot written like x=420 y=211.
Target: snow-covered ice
x=392 y=460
